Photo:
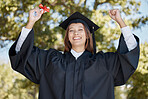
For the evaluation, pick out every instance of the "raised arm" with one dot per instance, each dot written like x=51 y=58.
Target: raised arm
x=127 y=34
x=123 y=63
x=25 y=30
x=29 y=60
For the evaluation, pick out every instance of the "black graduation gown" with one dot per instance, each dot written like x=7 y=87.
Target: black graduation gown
x=62 y=77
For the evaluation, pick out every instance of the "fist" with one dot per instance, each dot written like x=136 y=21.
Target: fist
x=32 y=17
x=115 y=15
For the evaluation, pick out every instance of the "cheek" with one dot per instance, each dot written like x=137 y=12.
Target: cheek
x=84 y=36
x=69 y=37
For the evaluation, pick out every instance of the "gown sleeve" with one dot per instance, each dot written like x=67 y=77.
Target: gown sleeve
x=123 y=63
x=30 y=60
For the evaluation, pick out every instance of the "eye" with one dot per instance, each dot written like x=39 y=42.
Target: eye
x=71 y=30
x=80 y=29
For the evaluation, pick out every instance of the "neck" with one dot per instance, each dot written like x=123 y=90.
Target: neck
x=78 y=49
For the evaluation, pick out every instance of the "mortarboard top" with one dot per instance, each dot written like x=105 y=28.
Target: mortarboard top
x=79 y=18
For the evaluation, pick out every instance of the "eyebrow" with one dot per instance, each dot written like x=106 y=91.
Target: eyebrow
x=79 y=26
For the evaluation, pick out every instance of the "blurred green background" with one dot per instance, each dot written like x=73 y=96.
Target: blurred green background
x=14 y=15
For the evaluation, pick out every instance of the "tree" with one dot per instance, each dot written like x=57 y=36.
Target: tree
x=15 y=86
x=13 y=16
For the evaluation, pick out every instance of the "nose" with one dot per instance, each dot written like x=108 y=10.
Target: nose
x=76 y=33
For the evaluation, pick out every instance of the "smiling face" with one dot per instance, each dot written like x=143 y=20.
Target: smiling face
x=77 y=35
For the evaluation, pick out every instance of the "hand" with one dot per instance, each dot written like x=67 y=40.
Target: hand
x=115 y=15
x=32 y=18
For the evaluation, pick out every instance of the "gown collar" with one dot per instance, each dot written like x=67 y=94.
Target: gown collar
x=76 y=54
x=83 y=56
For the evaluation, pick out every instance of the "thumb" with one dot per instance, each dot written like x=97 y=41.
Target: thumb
x=41 y=12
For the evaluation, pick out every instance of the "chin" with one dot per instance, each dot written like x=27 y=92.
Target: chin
x=78 y=44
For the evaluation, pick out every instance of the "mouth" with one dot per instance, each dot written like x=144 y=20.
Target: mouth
x=77 y=38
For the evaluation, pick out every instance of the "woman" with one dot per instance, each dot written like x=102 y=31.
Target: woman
x=79 y=73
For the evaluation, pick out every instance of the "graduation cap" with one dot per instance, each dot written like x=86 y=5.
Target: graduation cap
x=79 y=18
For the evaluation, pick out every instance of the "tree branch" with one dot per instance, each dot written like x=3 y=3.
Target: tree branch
x=55 y=3
x=97 y=2
x=85 y=2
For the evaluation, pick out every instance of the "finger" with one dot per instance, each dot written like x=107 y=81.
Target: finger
x=36 y=8
x=110 y=14
x=114 y=12
x=110 y=11
x=41 y=11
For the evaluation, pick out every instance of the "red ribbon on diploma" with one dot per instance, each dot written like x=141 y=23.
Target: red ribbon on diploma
x=44 y=8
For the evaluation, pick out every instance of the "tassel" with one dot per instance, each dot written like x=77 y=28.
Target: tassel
x=94 y=42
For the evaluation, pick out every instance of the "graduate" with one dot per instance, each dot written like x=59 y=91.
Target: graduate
x=80 y=72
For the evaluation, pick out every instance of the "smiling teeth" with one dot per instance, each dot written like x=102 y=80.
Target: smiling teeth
x=76 y=38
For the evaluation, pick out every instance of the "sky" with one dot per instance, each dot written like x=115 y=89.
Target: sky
x=141 y=33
